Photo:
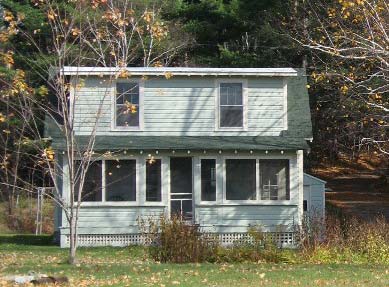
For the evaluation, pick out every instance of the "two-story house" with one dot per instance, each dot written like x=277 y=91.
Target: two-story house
x=223 y=147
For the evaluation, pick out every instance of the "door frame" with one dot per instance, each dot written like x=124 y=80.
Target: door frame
x=169 y=185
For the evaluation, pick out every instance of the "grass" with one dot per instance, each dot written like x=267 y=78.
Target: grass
x=20 y=254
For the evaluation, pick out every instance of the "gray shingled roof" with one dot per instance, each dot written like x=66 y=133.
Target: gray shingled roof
x=190 y=142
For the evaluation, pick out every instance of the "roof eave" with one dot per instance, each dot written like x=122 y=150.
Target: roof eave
x=175 y=71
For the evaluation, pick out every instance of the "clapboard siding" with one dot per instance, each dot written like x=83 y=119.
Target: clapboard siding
x=103 y=218
x=180 y=106
x=268 y=217
x=316 y=195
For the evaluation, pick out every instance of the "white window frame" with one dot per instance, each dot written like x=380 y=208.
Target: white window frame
x=114 y=127
x=207 y=202
x=225 y=180
x=288 y=182
x=244 y=102
x=285 y=94
x=258 y=200
x=103 y=202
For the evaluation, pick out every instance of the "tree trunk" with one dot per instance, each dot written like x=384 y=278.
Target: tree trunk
x=73 y=241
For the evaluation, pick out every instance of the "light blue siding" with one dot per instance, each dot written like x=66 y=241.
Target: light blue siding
x=113 y=220
x=180 y=106
x=316 y=196
x=238 y=218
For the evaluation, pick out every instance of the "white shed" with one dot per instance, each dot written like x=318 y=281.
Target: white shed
x=314 y=195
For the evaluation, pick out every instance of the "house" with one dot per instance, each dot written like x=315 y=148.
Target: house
x=224 y=147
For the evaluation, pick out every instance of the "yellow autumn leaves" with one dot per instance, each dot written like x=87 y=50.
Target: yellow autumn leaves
x=48 y=154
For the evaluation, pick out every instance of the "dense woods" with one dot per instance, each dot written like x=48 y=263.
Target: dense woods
x=342 y=44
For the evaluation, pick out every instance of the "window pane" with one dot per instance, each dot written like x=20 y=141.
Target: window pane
x=91 y=190
x=274 y=179
x=208 y=179
x=125 y=117
x=240 y=179
x=231 y=116
x=127 y=94
x=231 y=94
x=127 y=88
x=120 y=179
x=180 y=175
x=187 y=209
x=153 y=180
x=175 y=207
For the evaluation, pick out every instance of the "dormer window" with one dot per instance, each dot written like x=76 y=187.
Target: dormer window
x=127 y=108
x=231 y=108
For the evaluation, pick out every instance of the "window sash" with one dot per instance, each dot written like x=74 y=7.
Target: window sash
x=231 y=105
x=127 y=119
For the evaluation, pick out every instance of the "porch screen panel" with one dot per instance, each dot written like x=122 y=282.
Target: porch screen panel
x=208 y=179
x=274 y=179
x=92 y=188
x=240 y=179
x=153 y=180
x=120 y=179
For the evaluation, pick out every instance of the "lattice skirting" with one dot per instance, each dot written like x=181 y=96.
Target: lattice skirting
x=282 y=239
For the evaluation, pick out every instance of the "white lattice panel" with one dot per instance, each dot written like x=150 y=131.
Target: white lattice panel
x=282 y=239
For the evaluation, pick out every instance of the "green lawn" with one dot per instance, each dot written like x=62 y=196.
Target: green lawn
x=131 y=267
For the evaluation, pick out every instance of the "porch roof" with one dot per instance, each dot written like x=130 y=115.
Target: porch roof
x=190 y=142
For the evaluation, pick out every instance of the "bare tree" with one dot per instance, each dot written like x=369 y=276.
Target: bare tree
x=349 y=41
x=97 y=33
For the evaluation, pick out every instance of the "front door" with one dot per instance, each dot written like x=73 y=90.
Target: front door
x=181 y=187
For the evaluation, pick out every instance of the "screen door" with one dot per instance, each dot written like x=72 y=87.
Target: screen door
x=181 y=186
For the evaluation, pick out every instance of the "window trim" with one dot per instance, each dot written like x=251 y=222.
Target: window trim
x=258 y=200
x=244 y=102
x=140 y=83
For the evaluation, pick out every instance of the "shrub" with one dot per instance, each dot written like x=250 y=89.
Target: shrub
x=346 y=239
x=176 y=240
x=23 y=218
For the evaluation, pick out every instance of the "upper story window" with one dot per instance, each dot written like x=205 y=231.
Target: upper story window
x=127 y=108
x=231 y=105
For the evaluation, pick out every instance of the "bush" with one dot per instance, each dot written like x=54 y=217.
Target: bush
x=23 y=218
x=176 y=240
x=346 y=239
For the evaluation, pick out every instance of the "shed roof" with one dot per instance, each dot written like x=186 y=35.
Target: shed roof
x=314 y=179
